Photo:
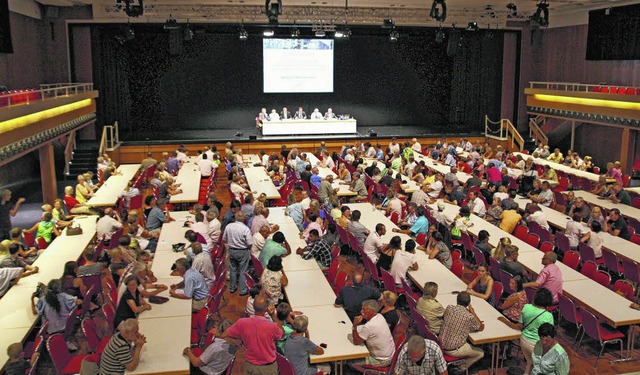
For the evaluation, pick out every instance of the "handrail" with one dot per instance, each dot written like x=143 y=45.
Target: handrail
x=535 y=132
x=564 y=86
x=506 y=131
x=110 y=138
x=46 y=91
x=68 y=151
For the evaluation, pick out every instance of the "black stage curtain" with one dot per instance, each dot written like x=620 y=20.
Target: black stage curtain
x=614 y=34
x=5 y=28
x=216 y=82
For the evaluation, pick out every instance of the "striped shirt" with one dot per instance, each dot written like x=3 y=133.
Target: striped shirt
x=115 y=356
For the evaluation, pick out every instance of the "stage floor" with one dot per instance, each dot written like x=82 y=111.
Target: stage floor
x=231 y=134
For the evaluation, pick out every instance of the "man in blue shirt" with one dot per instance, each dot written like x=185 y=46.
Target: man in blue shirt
x=315 y=177
x=193 y=285
x=420 y=226
x=173 y=164
x=158 y=216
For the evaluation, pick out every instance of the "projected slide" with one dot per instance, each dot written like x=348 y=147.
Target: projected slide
x=297 y=65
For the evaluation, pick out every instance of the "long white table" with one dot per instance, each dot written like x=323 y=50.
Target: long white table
x=408 y=188
x=15 y=307
x=259 y=181
x=625 y=210
x=108 y=193
x=300 y=127
x=189 y=179
x=561 y=167
x=322 y=171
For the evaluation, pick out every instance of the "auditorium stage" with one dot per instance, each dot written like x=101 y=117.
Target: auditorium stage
x=231 y=134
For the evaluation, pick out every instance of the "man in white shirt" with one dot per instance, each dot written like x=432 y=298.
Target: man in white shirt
x=259 y=238
x=394 y=147
x=316 y=115
x=436 y=187
x=476 y=204
x=416 y=147
x=403 y=260
x=206 y=166
x=375 y=334
x=202 y=228
x=274 y=116
x=373 y=244
x=546 y=195
x=107 y=225
x=329 y=115
x=538 y=216
x=213 y=223
x=306 y=201
x=264 y=158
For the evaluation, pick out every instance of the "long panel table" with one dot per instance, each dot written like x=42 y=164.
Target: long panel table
x=561 y=167
x=108 y=193
x=625 y=210
x=408 y=188
x=299 y=127
x=189 y=179
x=15 y=307
x=259 y=181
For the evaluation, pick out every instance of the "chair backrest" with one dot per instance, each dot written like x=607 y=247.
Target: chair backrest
x=333 y=271
x=571 y=259
x=505 y=279
x=57 y=348
x=520 y=232
x=257 y=266
x=395 y=217
x=631 y=270
x=230 y=366
x=411 y=301
x=388 y=281
x=284 y=366
x=497 y=292
x=88 y=296
x=421 y=324
x=90 y=331
x=250 y=281
x=610 y=261
x=635 y=238
x=591 y=325
x=625 y=287
x=110 y=314
x=341 y=281
x=371 y=267
x=546 y=246
x=421 y=239
x=567 y=309
x=602 y=278
x=42 y=244
x=71 y=323
x=533 y=239
x=562 y=242
x=29 y=240
x=479 y=256
x=135 y=202
x=457 y=268
x=467 y=242
x=530 y=292
x=456 y=255
x=586 y=252
x=495 y=268
x=589 y=269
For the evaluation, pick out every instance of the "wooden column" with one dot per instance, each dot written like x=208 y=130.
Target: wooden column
x=624 y=151
x=48 y=173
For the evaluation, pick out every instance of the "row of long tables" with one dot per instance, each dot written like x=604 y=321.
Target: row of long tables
x=109 y=192
x=625 y=210
x=309 y=291
x=15 y=307
x=324 y=172
x=189 y=179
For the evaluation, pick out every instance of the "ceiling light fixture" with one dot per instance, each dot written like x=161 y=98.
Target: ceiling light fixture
x=438 y=10
x=394 y=35
x=242 y=33
x=295 y=32
x=473 y=26
x=321 y=33
x=268 y=32
x=343 y=33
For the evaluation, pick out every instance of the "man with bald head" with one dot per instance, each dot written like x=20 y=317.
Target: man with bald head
x=352 y=296
x=258 y=336
x=238 y=240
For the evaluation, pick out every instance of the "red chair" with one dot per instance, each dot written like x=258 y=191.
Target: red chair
x=505 y=279
x=456 y=255
x=498 y=289
x=421 y=239
x=571 y=259
x=521 y=232
x=613 y=90
x=387 y=370
x=29 y=240
x=631 y=270
x=90 y=330
x=110 y=314
x=389 y=282
x=599 y=332
x=546 y=247
x=341 y=281
x=457 y=268
x=635 y=239
x=625 y=288
x=332 y=272
x=602 y=278
x=249 y=280
x=257 y=266
x=589 y=269
x=395 y=218
x=533 y=240
x=42 y=244
x=569 y=312
x=562 y=243
x=495 y=268
x=408 y=290
x=284 y=366
x=611 y=262
x=596 y=170
x=63 y=361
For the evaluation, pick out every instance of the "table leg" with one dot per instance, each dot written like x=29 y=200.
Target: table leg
x=630 y=345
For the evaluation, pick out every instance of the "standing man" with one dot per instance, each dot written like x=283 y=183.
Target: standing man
x=238 y=240
x=258 y=335
x=458 y=321
x=6 y=212
x=148 y=161
x=206 y=166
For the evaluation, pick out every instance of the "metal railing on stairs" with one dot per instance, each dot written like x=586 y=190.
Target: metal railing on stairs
x=535 y=131
x=68 y=151
x=110 y=139
x=505 y=131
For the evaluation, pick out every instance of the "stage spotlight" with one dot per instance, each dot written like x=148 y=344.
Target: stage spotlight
x=171 y=24
x=243 y=34
x=394 y=35
x=321 y=33
x=440 y=36
x=295 y=32
x=268 y=32
x=438 y=10
x=513 y=10
x=273 y=10
x=130 y=9
x=473 y=26
x=541 y=17
x=187 y=33
x=343 y=33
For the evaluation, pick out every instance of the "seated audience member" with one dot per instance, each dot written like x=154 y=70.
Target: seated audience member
x=73 y=205
x=482 y=244
x=550 y=277
x=510 y=262
x=119 y=354
x=388 y=309
x=317 y=248
x=430 y=308
x=581 y=208
x=537 y=215
x=273 y=279
x=276 y=246
x=482 y=285
x=617 y=225
x=421 y=225
x=108 y=224
x=595 y=239
x=258 y=335
x=45 y=229
x=510 y=218
x=158 y=216
x=499 y=251
x=373 y=244
x=345 y=217
x=53 y=305
x=403 y=261
x=90 y=267
x=512 y=305
x=458 y=321
x=420 y=356
x=13 y=260
x=131 y=303
x=388 y=252
x=217 y=356
x=437 y=249
x=356 y=228
x=352 y=296
x=375 y=334
x=17 y=364
x=71 y=283
x=298 y=346
x=193 y=286
x=619 y=195
x=576 y=232
x=202 y=263
x=549 y=357
x=545 y=196
x=494 y=211
x=259 y=239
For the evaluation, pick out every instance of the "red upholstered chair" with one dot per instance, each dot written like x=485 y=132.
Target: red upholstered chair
x=625 y=288
x=90 y=330
x=570 y=313
x=284 y=366
x=497 y=293
x=457 y=268
x=599 y=332
x=602 y=278
x=521 y=232
x=589 y=269
x=533 y=240
x=571 y=259
x=63 y=361
x=257 y=266
x=546 y=247
x=613 y=90
x=341 y=281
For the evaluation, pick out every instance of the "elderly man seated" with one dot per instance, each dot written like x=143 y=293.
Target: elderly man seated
x=375 y=334
x=420 y=356
x=119 y=355
x=352 y=296
x=193 y=286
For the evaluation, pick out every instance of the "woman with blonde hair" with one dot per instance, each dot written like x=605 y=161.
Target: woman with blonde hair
x=498 y=252
x=388 y=309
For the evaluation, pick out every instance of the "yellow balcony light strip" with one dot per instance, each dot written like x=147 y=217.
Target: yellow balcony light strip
x=19 y=122
x=588 y=101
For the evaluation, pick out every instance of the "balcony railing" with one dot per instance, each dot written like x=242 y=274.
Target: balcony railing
x=46 y=91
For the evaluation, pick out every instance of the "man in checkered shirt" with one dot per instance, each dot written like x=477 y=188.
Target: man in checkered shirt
x=317 y=248
x=420 y=356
